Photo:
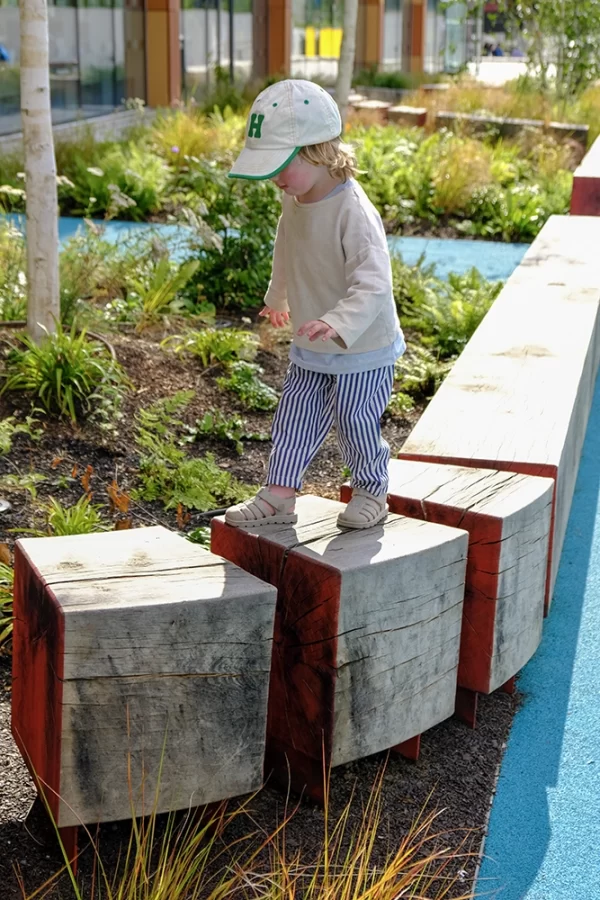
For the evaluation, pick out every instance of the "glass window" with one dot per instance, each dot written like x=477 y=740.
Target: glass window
x=10 y=96
x=316 y=38
x=210 y=31
x=97 y=58
x=392 y=36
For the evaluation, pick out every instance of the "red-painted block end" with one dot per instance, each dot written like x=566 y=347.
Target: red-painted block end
x=304 y=659
x=37 y=669
x=410 y=749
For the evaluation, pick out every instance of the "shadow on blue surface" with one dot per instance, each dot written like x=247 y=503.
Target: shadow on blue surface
x=543 y=834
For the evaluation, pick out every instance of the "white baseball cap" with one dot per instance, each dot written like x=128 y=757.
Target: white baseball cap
x=284 y=118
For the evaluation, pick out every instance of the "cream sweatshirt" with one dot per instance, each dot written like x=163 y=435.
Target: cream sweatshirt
x=331 y=262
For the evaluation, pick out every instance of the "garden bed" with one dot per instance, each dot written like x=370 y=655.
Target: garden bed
x=457 y=767
x=420 y=183
x=155 y=374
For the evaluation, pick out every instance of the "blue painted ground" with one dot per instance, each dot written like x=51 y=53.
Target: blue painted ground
x=114 y=231
x=544 y=834
x=494 y=260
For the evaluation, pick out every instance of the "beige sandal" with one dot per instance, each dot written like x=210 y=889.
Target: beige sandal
x=363 y=511
x=256 y=513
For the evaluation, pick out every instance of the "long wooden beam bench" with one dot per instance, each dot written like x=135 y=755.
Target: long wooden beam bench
x=367 y=633
x=141 y=668
x=507 y=517
x=585 y=197
x=518 y=398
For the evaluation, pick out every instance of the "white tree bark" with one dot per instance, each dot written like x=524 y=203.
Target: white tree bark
x=40 y=171
x=347 y=54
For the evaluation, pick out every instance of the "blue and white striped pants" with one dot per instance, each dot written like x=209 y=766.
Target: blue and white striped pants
x=310 y=404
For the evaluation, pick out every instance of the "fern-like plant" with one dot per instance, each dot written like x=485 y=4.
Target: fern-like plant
x=233 y=428
x=419 y=373
x=449 y=318
x=167 y=474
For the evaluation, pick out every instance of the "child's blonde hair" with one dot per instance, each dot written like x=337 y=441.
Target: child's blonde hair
x=336 y=155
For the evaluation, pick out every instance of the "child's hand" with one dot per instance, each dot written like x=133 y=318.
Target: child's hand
x=316 y=329
x=277 y=319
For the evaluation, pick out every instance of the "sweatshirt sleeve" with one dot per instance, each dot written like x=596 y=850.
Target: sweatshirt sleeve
x=276 y=296
x=368 y=279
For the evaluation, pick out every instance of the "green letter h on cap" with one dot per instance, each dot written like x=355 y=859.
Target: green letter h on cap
x=256 y=121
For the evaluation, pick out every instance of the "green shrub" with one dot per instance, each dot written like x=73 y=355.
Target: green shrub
x=12 y=196
x=413 y=286
x=183 y=136
x=397 y=80
x=215 y=345
x=160 y=418
x=66 y=373
x=483 y=188
x=253 y=393
x=234 y=271
x=224 y=95
x=130 y=280
x=127 y=181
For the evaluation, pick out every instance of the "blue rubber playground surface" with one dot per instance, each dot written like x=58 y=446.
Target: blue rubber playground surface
x=494 y=260
x=544 y=831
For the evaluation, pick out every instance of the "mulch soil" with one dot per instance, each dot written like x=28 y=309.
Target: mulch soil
x=457 y=767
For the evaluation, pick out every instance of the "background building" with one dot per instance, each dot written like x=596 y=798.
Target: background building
x=104 y=52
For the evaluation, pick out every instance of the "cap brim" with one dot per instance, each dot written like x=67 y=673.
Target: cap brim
x=257 y=165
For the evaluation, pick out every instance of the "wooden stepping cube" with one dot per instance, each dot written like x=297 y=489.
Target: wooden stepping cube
x=367 y=633
x=413 y=116
x=138 y=649
x=377 y=108
x=508 y=517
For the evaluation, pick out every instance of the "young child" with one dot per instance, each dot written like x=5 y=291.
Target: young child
x=332 y=275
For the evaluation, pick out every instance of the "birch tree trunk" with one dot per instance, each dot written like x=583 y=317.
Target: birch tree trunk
x=347 y=54
x=43 y=310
